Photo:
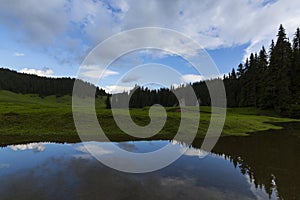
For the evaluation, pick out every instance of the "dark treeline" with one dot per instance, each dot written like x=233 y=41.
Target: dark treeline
x=140 y=97
x=43 y=86
x=269 y=79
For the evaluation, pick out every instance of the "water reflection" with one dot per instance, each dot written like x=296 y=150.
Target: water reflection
x=67 y=171
x=271 y=160
x=37 y=147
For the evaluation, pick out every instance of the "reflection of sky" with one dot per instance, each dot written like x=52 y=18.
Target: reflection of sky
x=27 y=156
x=105 y=150
x=65 y=166
x=260 y=192
x=38 y=147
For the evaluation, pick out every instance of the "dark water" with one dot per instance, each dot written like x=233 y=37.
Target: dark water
x=256 y=167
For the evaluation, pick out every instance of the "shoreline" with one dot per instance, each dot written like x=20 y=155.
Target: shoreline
x=290 y=128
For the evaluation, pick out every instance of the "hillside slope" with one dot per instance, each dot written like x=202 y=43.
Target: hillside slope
x=43 y=86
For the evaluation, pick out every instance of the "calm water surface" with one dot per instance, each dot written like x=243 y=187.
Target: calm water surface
x=240 y=168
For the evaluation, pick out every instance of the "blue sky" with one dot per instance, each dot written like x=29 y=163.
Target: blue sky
x=53 y=38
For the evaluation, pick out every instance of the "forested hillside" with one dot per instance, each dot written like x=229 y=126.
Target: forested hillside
x=43 y=86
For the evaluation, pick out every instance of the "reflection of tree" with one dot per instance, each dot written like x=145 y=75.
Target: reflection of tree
x=271 y=159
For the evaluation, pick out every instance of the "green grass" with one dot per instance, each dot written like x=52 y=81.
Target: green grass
x=30 y=115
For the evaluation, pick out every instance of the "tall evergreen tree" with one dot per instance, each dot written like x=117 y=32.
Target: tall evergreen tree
x=107 y=102
x=249 y=85
x=262 y=81
x=280 y=68
x=296 y=69
x=240 y=71
x=244 y=85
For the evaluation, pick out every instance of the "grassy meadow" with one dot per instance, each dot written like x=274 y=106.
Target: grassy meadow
x=31 y=116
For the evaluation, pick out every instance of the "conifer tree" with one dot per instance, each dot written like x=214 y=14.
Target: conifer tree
x=107 y=102
x=280 y=67
x=296 y=68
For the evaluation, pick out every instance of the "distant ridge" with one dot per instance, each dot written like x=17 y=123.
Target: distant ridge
x=43 y=86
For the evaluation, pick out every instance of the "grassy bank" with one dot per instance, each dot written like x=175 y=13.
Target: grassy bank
x=31 y=116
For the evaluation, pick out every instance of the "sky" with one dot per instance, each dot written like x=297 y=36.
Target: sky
x=52 y=38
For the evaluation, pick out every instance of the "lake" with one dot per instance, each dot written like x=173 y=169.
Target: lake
x=261 y=166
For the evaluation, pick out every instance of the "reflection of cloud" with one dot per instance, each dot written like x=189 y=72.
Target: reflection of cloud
x=187 y=151
x=97 y=148
x=127 y=146
x=195 y=152
x=184 y=180
x=96 y=180
x=33 y=146
x=260 y=193
x=4 y=165
x=18 y=54
x=177 y=181
x=175 y=142
x=83 y=156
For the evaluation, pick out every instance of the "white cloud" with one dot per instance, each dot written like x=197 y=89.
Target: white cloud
x=18 y=54
x=43 y=72
x=113 y=89
x=73 y=27
x=217 y=23
x=130 y=79
x=190 y=78
x=95 y=71
x=39 y=23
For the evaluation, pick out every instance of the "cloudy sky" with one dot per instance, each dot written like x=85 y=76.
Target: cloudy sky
x=53 y=37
